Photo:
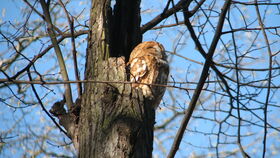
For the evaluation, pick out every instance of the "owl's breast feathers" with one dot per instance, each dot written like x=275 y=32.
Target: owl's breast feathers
x=138 y=69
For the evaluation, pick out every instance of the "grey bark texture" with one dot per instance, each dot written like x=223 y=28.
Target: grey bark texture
x=115 y=120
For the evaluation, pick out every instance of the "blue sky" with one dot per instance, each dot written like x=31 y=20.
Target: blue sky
x=182 y=70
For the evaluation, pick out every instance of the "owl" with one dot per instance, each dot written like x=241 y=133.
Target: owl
x=149 y=66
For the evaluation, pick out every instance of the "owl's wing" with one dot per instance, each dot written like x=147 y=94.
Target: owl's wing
x=138 y=69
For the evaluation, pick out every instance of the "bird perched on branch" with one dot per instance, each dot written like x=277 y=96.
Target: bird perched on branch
x=149 y=70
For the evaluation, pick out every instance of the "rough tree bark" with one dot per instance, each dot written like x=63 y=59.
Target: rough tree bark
x=115 y=121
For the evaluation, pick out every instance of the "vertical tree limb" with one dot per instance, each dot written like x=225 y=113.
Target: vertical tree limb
x=52 y=34
x=74 y=51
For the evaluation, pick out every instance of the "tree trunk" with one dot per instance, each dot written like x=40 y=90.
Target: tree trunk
x=115 y=120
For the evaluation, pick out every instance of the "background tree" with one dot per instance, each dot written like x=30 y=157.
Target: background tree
x=223 y=87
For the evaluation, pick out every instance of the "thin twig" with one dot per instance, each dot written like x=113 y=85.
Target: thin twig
x=65 y=35
x=269 y=77
x=42 y=105
x=181 y=56
x=82 y=81
x=203 y=53
x=7 y=81
x=244 y=154
x=74 y=51
x=175 y=14
x=250 y=29
x=195 y=9
x=255 y=3
x=42 y=16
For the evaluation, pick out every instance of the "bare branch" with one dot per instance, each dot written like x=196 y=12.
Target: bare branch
x=250 y=29
x=203 y=77
x=269 y=76
x=165 y=14
x=244 y=154
x=42 y=105
x=42 y=16
x=255 y=3
x=52 y=34
x=74 y=51
x=66 y=35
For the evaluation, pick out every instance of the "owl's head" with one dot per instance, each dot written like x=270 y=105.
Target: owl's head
x=155 y=49
x=150 y=48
